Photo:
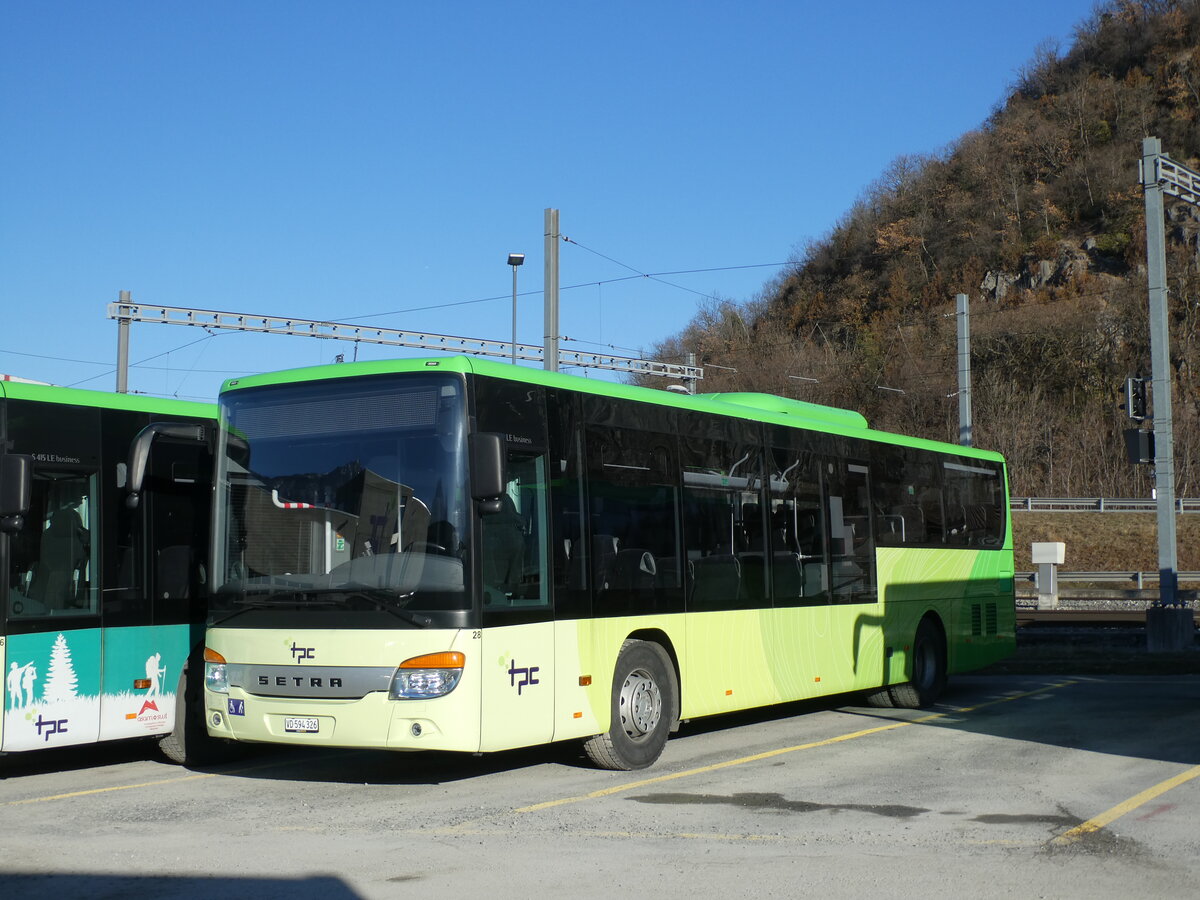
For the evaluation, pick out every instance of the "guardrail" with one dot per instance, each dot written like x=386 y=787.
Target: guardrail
x=1137 y=579
x=1099 y=504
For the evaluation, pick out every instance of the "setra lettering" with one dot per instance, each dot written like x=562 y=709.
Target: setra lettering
x=299 y=681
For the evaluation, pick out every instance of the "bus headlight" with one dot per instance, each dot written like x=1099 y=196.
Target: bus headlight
x=215 y=676
x=428 y=676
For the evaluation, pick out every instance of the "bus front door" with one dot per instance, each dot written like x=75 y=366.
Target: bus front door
x=518 y=633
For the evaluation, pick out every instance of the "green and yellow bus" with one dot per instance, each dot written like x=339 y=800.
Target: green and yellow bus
x=105 y=505
x=455 y=554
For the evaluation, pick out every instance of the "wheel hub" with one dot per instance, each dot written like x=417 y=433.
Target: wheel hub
x=641 y=704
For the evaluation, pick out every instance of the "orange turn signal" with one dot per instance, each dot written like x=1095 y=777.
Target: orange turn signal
x=447 y=659
x=213 y=656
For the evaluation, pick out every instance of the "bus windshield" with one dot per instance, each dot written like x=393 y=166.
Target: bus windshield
x=343 y=494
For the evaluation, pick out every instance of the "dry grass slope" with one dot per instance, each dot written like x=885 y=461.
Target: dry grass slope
x=1105 y=542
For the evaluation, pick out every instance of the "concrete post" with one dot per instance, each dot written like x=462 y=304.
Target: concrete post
x=1048 y=556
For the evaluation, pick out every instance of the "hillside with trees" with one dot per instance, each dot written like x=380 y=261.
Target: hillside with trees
x=1038 y=217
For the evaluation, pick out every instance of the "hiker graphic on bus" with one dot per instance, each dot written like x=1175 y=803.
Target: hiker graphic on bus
x=154 y=674
x=19 y=682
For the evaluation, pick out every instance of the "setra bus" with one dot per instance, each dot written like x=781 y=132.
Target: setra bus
x=102 y=600
x=456 y=554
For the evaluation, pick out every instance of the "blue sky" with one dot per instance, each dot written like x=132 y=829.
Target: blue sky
x=337 y=161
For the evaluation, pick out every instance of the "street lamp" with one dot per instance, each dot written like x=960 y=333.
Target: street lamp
x=514 y=260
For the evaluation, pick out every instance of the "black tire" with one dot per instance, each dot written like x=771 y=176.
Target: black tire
x=645 y=705
x=189 y=743
x=880 y=698
x=928 y=669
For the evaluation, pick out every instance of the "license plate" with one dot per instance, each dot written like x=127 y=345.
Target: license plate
x=301 y=725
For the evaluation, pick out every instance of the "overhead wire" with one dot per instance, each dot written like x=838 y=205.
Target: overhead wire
x=660 y=280
x=112 y=371
x=655 y=276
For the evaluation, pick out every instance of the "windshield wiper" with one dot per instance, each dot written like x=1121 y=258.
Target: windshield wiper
x=273 y=600
x=385 y=601
x=324 y=598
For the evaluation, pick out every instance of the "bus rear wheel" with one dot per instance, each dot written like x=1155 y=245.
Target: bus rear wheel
x=645 y=700
x=880 y=699
x=928 y=669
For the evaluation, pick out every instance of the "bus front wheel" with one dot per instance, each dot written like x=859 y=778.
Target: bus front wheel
x=189 y=743
x=928 y=678
x=645 y=697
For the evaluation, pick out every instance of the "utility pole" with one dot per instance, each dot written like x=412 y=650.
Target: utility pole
x=964 y=369
x=550 y=356
x=1168 y=625
x=125 y=297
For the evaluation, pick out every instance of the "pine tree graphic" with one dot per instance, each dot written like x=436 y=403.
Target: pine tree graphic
x=60 y=679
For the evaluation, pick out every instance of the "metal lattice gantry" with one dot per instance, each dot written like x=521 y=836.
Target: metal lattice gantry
x=126 y=312
x=1178 y=180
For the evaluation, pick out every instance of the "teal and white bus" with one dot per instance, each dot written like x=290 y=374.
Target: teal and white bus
x=456 y=554
x=102 y=600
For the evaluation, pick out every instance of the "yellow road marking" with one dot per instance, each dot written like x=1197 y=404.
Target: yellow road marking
x=105 y=790
x=629 y=786
x=144 y=784
x=1095 y=823
x=632 y=785
x=1005 y=699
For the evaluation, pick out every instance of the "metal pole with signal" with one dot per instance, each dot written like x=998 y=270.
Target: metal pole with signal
x=1160 y=365
x=1169 y=625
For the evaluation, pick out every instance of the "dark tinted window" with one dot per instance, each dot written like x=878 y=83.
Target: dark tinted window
x=633 y=510
x=725 y=534
x=570 y=547
x=796 y=527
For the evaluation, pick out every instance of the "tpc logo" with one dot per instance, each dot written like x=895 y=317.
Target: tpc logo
x=47 y=727
x=527 y=676
x=299 y=654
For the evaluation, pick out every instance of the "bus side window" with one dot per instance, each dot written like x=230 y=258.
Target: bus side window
x=723 y=524
x=799 y=568
x=52 y=566
x=852 y=566
x=975 y=492
x=514 y=539
x=633 y=515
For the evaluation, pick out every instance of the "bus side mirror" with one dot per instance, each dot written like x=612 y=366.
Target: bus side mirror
x=488 y=477
x=139 y=452
x=16 y=490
